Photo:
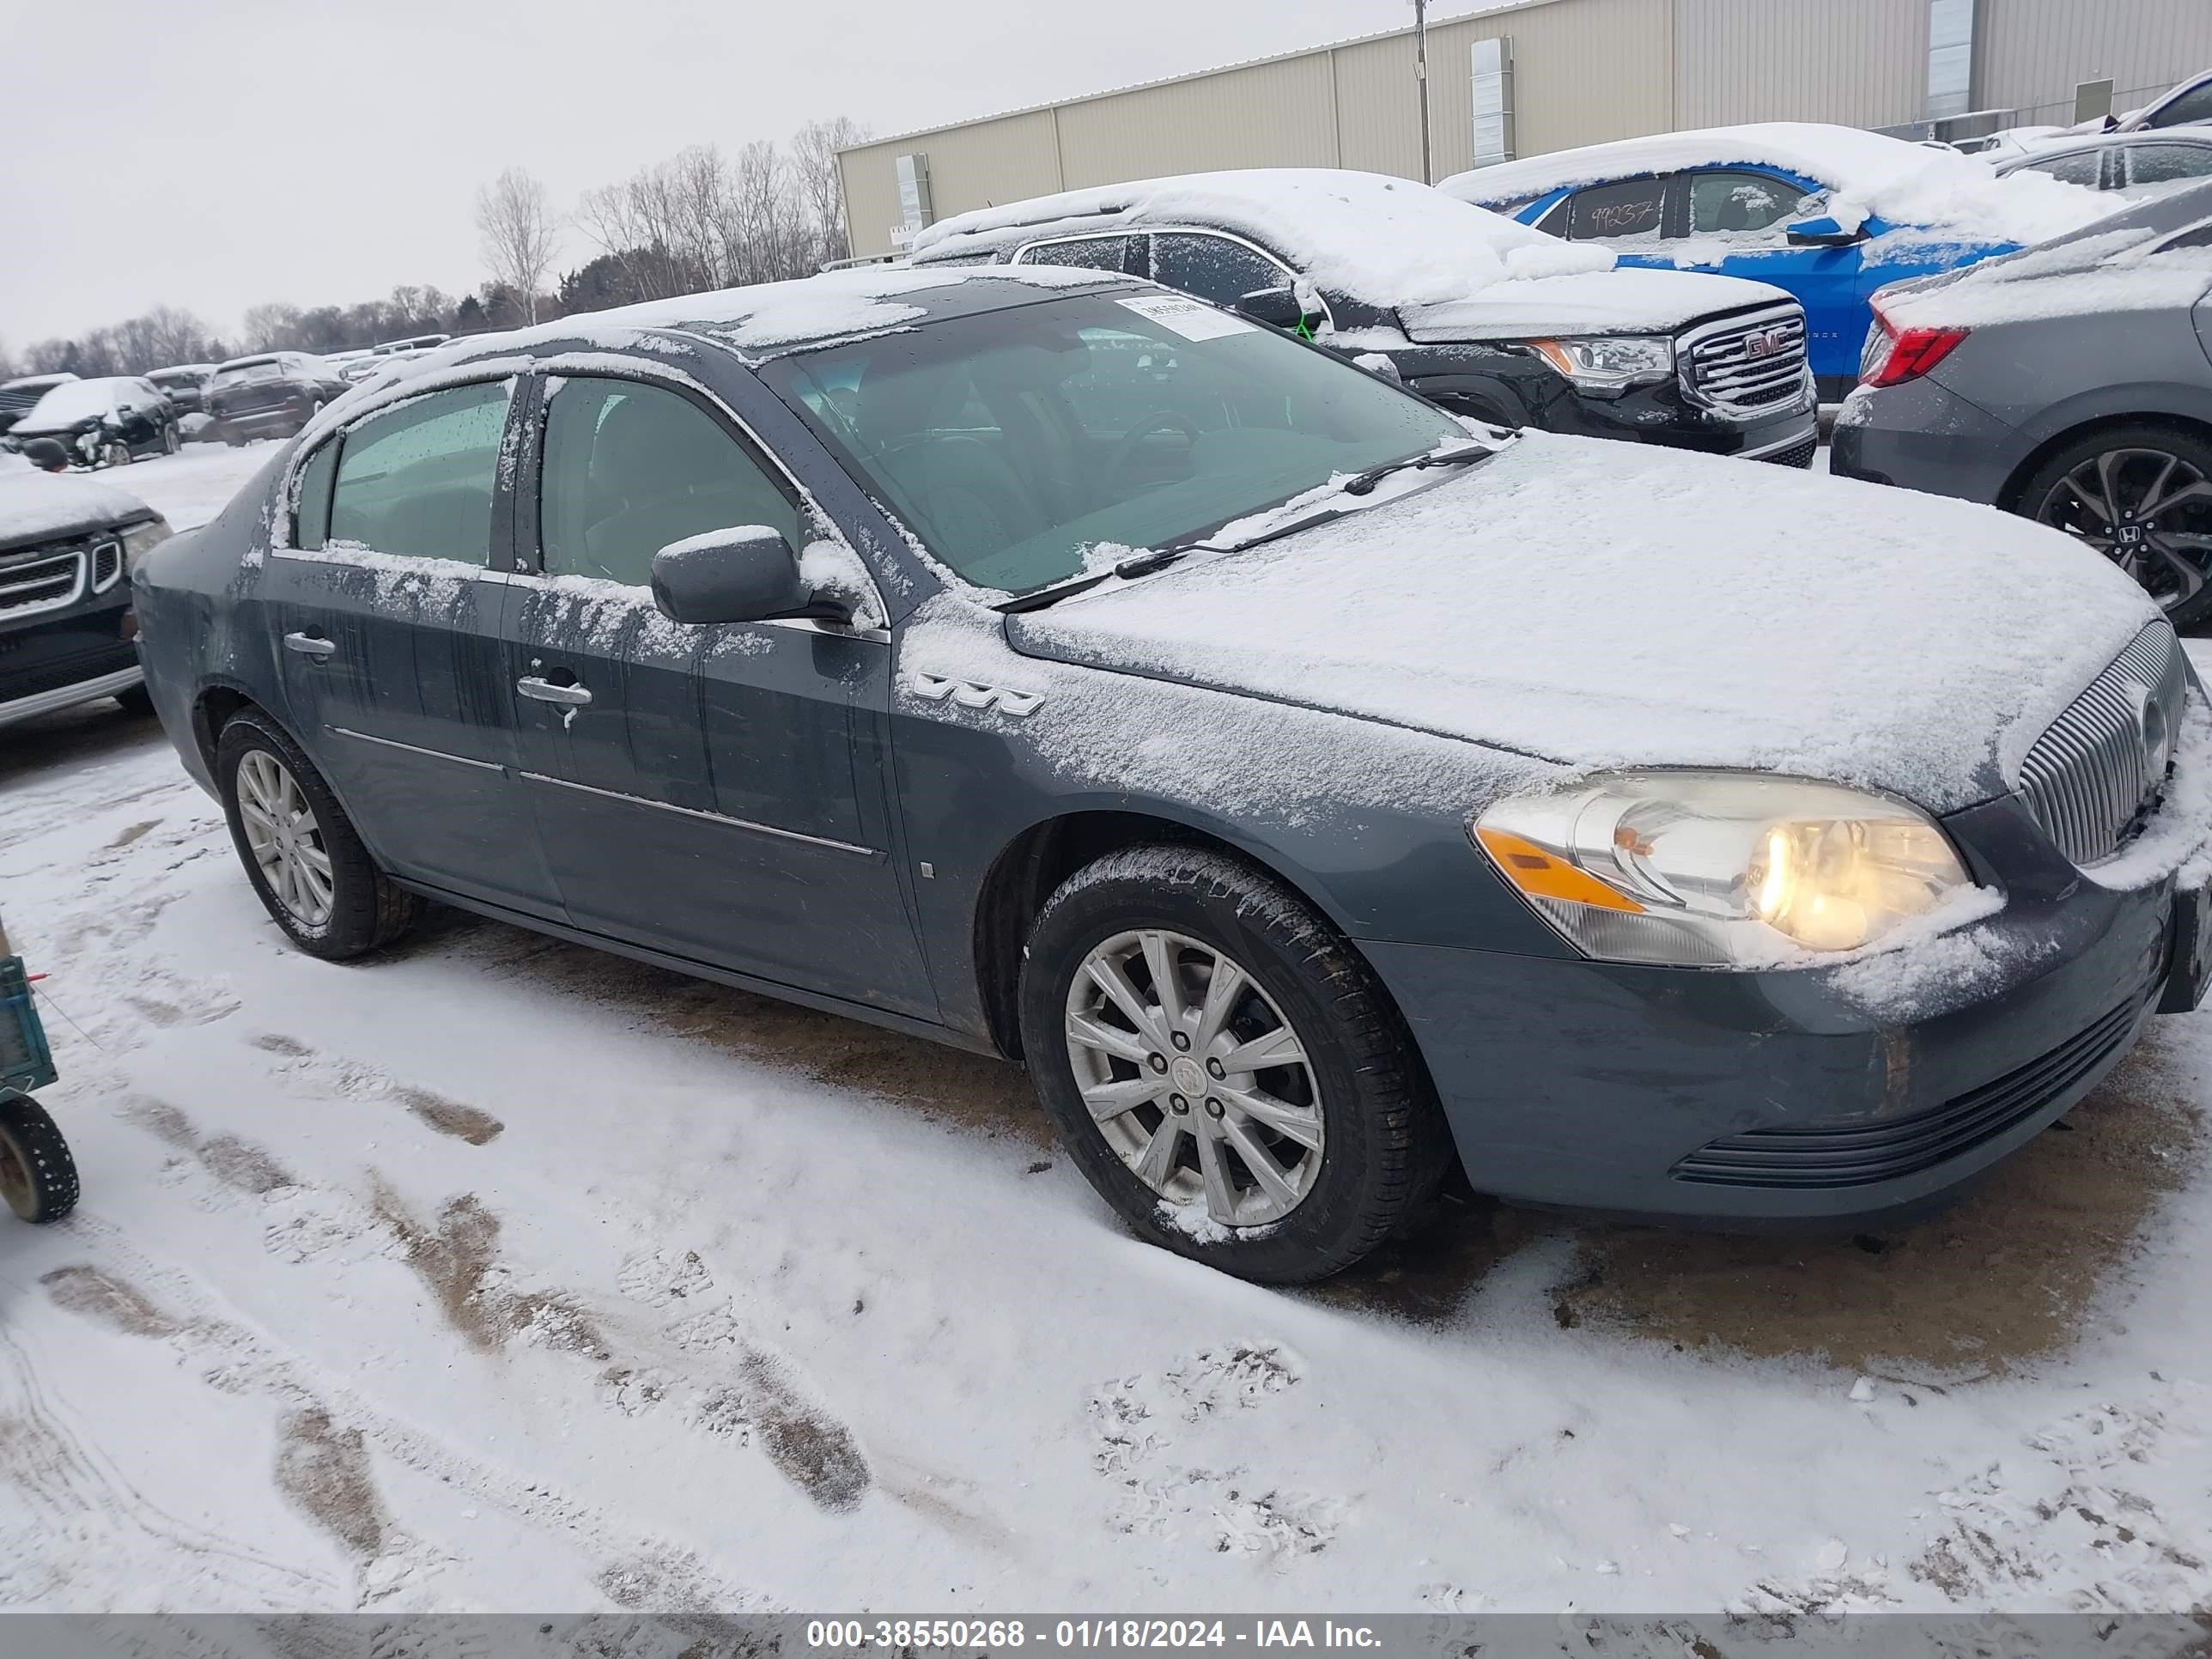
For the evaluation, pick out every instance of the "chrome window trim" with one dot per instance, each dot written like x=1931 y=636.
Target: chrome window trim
x=801 y=624
x=695 y=813
x=413 y=749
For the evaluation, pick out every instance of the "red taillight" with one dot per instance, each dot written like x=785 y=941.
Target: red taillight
x=1909 y=355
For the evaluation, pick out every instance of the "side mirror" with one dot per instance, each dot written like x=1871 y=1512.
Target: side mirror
x=1824 y=232
x=1278 y=308
x=747 y=573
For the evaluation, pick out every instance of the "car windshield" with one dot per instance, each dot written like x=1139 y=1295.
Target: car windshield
x=77 y=400
x=248 y=373
x=1028 y=445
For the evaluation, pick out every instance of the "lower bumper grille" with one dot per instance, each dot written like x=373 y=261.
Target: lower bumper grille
x=1864 y=1154
x=72 y=671
x=1796 y=455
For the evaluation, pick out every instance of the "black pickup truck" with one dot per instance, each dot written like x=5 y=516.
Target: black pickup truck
x=67 y=632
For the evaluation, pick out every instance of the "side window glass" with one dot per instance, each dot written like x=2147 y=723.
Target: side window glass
x=418 y=480
x=1213 y=268
x=629 y=468
x=1630 y=211
x=311 y=521
x=1089 y=253
x=2158 y=164
x=2081 y=168
x=1741 y=203
x=2193 y=106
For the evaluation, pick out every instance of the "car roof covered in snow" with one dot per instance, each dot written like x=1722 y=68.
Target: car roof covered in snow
x=1387 y=241
x=1868 y=174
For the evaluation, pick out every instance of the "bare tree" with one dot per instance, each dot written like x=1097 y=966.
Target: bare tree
x=516 y=222
x=820 y=189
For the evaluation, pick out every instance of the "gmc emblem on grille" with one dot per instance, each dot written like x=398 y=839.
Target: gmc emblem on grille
x=1769 y=343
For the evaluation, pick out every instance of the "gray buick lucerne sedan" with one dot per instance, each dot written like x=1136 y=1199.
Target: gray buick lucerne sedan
x=1310 y=788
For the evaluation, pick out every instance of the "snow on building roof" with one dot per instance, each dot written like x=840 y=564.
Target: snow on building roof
x=1387 y=241
x=1869 y=175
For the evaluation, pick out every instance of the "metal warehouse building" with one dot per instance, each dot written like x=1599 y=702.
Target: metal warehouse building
x=1520 y=79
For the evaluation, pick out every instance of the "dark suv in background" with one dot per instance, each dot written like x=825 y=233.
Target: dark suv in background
x=1487 y=318
x=272 y=395
x=19 y=397
x=68 y=634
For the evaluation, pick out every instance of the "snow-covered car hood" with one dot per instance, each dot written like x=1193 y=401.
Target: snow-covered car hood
x=1623 y=301
x=1604 y=605
x=43 y=507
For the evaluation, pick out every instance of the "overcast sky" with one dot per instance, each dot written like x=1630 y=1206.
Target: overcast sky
x=217 y=154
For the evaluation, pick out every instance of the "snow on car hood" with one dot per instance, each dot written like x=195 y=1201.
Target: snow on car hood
x=1623 y=301
x=1869 y=175
x=43 y=507
x=1387 y=241
x=1607 y=605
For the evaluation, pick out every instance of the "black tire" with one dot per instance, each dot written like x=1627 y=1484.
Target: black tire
x=1385 y=1145
x=137 y=702
x=37 y=1176
x=2138 y=450
x=368 y=909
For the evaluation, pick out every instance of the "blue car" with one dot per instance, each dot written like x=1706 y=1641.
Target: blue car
x=1830 y=214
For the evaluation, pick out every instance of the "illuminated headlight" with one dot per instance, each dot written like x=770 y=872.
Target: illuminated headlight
x=1718 y=869
x=140 y=540
x=1610 y=362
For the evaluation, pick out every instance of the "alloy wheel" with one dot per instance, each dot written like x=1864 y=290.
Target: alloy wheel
x=2146 y=509
x=286 y=842
x=1195 y=1078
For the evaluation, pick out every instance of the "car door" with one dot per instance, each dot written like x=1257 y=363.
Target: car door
x=1736 y=220
x=385 y=598
x=718 y=794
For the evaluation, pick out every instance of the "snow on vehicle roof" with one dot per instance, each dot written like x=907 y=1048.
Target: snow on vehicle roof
x=1387 y=241
x=36 y=506
x=77 y=400
x=2122 y=271
x=1869 y=175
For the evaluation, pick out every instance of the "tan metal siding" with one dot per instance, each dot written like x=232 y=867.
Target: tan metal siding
x=1275 y=114
x=2034 y=52
x=1860 y=63
x=980 y=165
x=1584 y=71
x=1378 y=115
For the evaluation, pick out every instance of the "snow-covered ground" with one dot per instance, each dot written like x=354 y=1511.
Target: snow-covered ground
x=502 y=1275
x=188 y=487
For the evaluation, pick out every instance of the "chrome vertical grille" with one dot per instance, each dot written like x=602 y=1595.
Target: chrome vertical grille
x=2097 y=769
x=1747 y=366
x=45 y=579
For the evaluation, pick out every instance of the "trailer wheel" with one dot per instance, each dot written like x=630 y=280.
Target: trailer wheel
x=37 y=1176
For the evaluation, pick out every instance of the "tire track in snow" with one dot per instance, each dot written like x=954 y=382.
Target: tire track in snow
x=640 y=1570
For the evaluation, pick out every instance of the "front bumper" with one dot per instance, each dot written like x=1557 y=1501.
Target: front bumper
x=69 y=657
x=1750 y=1100
x=1655 y=414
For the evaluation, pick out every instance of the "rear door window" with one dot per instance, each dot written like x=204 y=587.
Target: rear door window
x=418 y=480
x=2160 y=164
x=1213 y=268
x=1089 y=253
x=2193 y=106
x=631 y=468
x=1739 y=202
x=1632 y=210
x=2081 y=166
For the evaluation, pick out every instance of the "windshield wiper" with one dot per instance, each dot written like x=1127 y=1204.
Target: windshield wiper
x=1140 y=564
x=1362 y=483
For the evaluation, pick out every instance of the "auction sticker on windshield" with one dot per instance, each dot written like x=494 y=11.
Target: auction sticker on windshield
x=1188 y=318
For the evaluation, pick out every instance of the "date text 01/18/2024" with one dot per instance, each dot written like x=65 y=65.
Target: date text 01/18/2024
x=988 y=1635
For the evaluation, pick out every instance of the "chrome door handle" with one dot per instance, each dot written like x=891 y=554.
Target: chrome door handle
x=309 y=645
x=568 y=697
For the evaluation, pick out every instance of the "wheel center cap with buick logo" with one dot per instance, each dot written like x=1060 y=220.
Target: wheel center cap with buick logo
x=1188 y=1079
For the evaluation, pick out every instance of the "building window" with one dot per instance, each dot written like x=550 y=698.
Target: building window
x=1493 y=101
x=1950 y=58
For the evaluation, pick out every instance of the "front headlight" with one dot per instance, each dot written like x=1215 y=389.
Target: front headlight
x=140 y=540
x=1610 y=362
x=1718 y=869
